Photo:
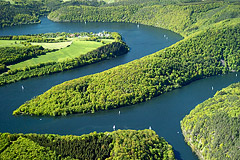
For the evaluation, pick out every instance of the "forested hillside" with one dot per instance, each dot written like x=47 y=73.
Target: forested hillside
x=14 y=54
x=203 y=54
x=184 y=19
x=212 y=128
x=121 y=144
x=17 y=12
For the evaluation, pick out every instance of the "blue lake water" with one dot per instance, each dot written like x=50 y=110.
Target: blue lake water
x=162 y=113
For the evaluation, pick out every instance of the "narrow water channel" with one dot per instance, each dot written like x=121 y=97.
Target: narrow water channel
x=162 y=113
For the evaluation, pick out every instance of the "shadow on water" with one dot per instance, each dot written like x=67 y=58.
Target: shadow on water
x=177 y=155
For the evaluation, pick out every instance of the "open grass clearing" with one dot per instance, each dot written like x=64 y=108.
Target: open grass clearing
x=107 y=40
x=10 y=43
x=76 y=49
x=59 y=45
x=109 y=1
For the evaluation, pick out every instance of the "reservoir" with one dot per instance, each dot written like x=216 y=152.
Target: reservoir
x=162 y=113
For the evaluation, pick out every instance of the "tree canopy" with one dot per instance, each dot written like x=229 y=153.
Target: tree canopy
x=120 y=144
x=212 y=127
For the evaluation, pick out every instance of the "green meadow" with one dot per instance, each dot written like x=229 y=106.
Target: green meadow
x=75 y=49
x=10 y=43
x=59 y=45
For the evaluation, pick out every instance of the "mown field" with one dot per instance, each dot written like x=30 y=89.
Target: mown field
x=27 y=56
x=10 y=43
x=75 y=49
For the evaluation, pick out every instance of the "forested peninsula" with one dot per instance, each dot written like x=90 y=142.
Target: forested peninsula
x=19 y=12
x=212 y=49
x=120 y=144
x=212 y=127
x=26 y=56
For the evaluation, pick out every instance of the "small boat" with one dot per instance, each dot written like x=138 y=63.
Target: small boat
x=114 y=127
x=150 y=127
x=22 y=87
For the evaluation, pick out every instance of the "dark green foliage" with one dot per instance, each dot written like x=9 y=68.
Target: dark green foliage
x=3 y=68
x=212 y=128
x=24 y=148
x=193 y=58
x=119 y=144
x=28 y=11
x=19 y=13
x=184 y=19
x=13 y=55
x=92 y=146
x=102 y=53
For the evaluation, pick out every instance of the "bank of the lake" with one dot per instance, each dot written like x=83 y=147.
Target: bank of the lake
x=120 y=144
x=212 y=127
x=29 y=61
x=201 y=55
x=162 y=113
x=13 y=95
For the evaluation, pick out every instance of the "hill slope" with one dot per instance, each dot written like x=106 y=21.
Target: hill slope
x=212 y=128
x=195 y=57
x=184 y=19
x=120 y=144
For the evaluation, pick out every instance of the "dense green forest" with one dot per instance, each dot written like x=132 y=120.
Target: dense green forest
x=24 y=12
x=184 y=19
x=12 y=55
x=212 y=127
x=203 y=54
x=120 y=144
x=17 y=12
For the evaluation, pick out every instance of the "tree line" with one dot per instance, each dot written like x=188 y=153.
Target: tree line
x=108 y=145
x=212 y=127
x=102 y=53
x=181 y=18
x=13 y=55
x=204 y=54
x=17 y=12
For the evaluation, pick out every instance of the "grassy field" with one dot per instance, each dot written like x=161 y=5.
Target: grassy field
x=74 y=50
x=109 y=1
x=59 y=45
x=10 y=43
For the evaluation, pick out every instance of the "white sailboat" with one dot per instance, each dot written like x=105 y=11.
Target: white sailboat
x=114 y=127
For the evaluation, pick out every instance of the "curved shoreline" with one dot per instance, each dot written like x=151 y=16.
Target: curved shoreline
x=187 y=60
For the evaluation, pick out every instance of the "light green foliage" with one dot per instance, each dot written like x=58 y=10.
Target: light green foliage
x=24 y=148
x=184 y=19
x=121 y=144
x=212 y=128
x=173 y=17
x=140 y=80
x=84 y=48
x=76 y=49
x=142 y=144
x=10 y=43
x=58 y=45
